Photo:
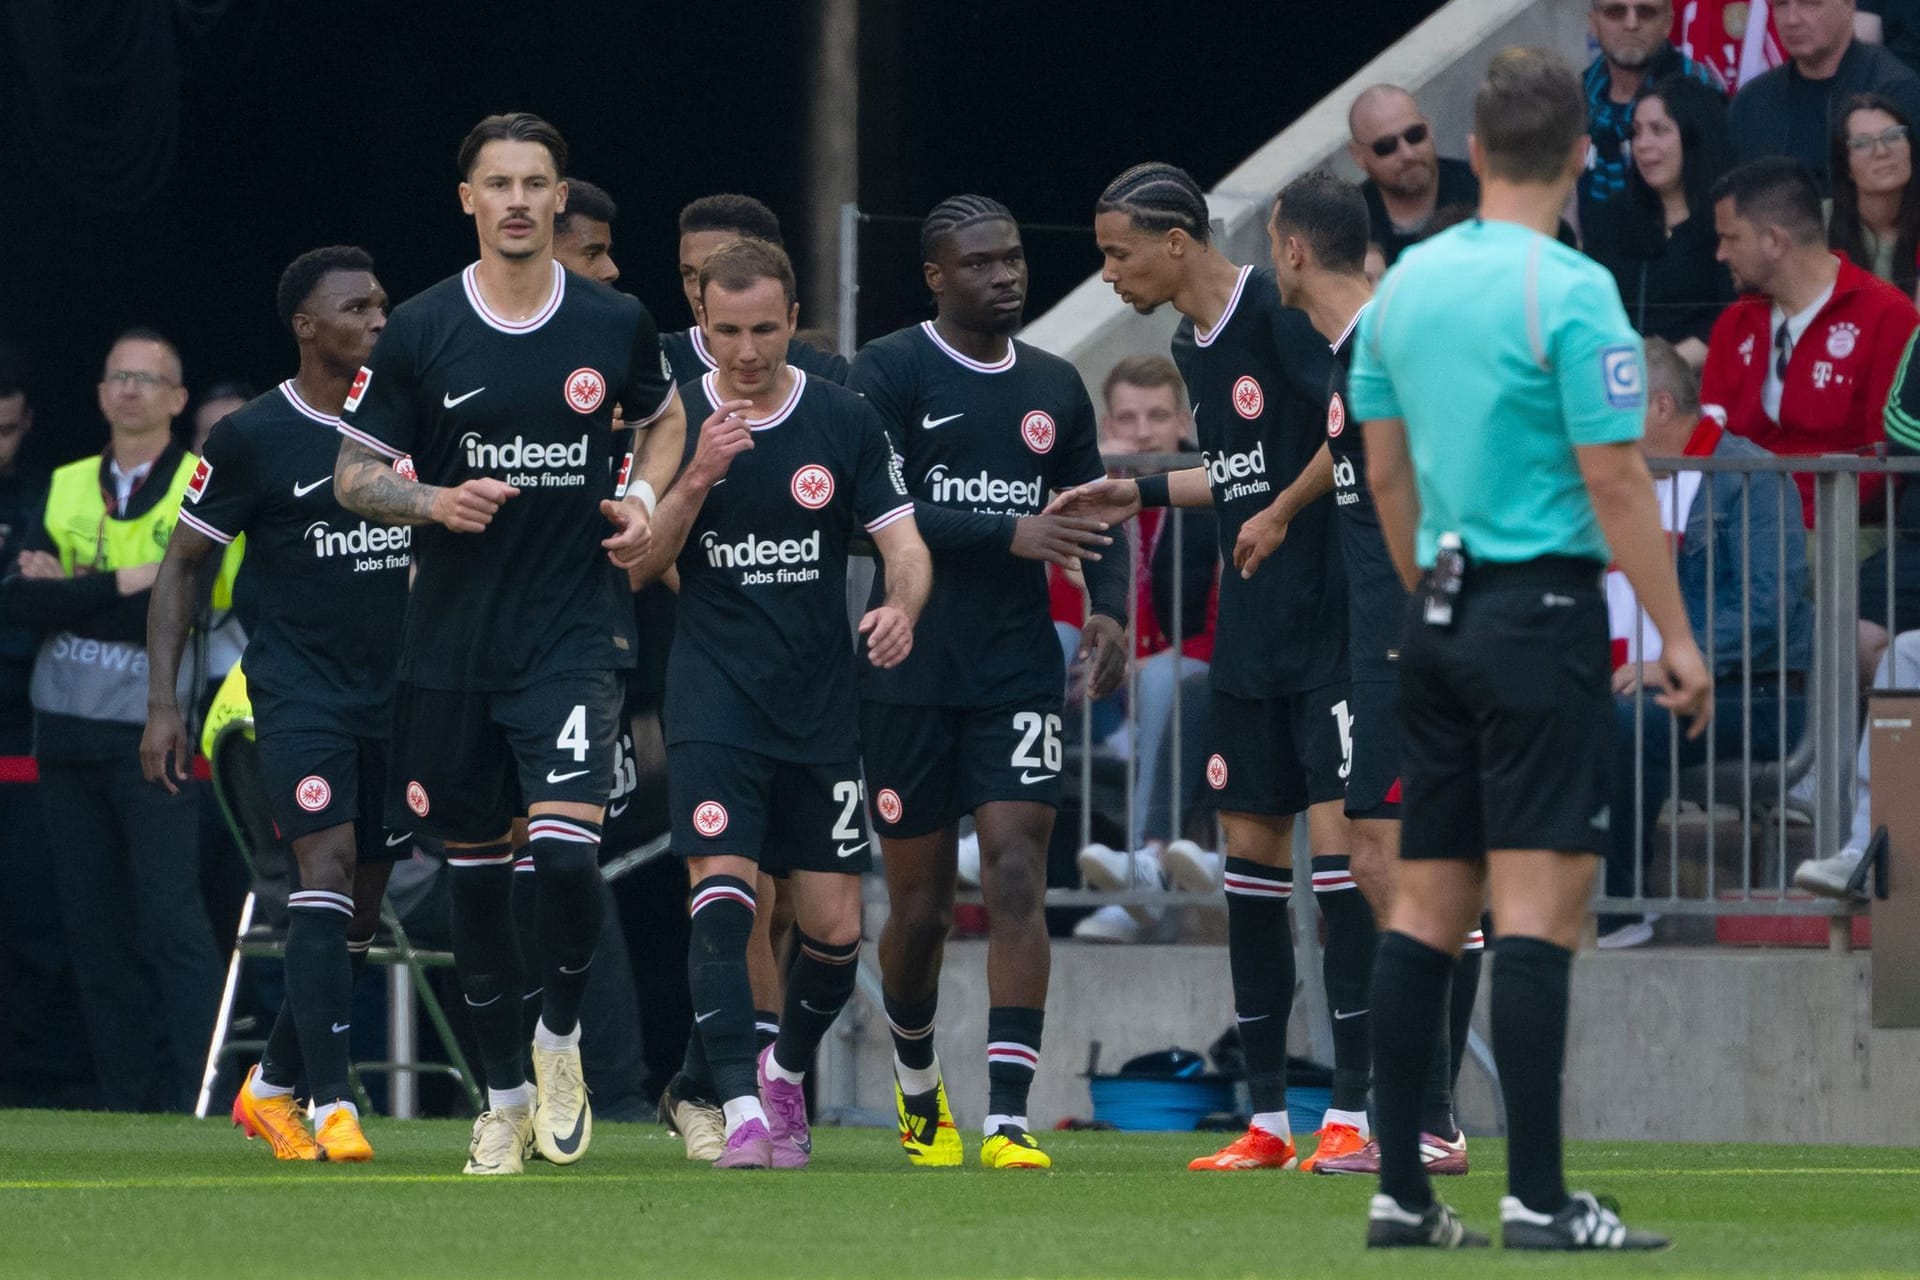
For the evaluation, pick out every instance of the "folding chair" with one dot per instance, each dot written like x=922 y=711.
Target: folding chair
x=238 y=787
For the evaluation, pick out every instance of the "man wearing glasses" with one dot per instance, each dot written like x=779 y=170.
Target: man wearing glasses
x=126 y=855
x=1635 y=54
x=1407 y=183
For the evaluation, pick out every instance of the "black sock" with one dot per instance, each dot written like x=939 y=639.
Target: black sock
x=1436 y=1090
x=766 y=1028
x=486 y=952
x=281 y=1062
x=526 y=927
x=1260 y=956
x=320 y=987
x=818 y=987
x=1409 y=986
x=911 y=1023
x=1013 y=1055
x=1347 y=969
x=1529 y=1011
x=717 y=975
x=696 y=1076
x=1466 y=991
x=571 y=908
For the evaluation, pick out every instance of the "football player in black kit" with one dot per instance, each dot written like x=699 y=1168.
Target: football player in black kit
x=762 y=743
x=319 y=670
x=501 y=383
x=1258 y=376
x=1317 y=232
x=986 y=427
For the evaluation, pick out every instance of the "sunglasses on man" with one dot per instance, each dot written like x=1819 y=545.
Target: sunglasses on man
x=1413 y=135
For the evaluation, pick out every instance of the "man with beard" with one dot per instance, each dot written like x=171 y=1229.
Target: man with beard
x=1634 y=54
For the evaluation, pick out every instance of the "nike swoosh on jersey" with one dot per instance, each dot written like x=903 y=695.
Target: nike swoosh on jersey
x=847 y=851
x=928 y=421
x=615 y=810
x=702 y=1017
x=553 y=776
x=1341 y=1015
x=571 y=1143
x=449 y=400
x=394 y=842
x=302 y=490
x=338 y=1027
x=1031 y=778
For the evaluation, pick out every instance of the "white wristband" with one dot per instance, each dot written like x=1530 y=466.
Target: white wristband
x=642 y=490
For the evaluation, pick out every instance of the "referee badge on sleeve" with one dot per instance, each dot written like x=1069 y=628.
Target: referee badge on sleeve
x=1620 y=371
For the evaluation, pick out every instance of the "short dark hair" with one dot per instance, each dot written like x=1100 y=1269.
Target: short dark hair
x=13 y=371
x=729 y=211
x=1668 y=371
x=1775 y=191
x=1158 y=197
x=1528 y=113
x=305 y=272
x=513 y=126
x=145 y=333
x=736 y=264
x=1330 y=214
x=954 y=213
x=1147 y=370
x=585 y=200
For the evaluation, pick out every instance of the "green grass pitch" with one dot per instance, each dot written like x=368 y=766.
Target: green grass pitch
x=148 y=1197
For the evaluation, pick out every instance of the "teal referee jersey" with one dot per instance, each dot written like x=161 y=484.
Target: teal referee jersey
x=1503 y=350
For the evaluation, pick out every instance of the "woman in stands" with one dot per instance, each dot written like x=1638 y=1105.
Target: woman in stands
x=1876 y=206
x=1659 y=242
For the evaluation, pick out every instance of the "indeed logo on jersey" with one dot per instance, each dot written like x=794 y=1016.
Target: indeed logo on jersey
x=1237 y=475
x=986 y=492
x=752 y=552
x=529 y=464
x=373 y=546
x=1346 y=482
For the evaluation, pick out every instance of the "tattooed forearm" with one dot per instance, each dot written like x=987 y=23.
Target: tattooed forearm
x=366 y=483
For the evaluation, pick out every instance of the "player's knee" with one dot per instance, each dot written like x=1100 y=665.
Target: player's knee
x=837 y=924
x=722 y=920
x=921 y=916
x=1015 y=883
x=326 y=860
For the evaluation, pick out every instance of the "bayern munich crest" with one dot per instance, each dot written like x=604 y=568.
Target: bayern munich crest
x=813 y=486
x=417 y=799
x=1037 y=430
x=888 y=803
x=1336 y=416
x=1841 y=339
x=709 y=818
x=1248 y=398
x=1217 y=771
x=585 y=390
x=312 y=793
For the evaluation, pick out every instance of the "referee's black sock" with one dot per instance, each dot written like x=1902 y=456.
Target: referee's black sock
x=1530 y=981
x=717 y=975
x=566 y=854
x=1409 y=991
x=1466 y=992
x=1346 y=966
x=486 y=952
x=1260 y=957
x=320 y=987
x=818 y=988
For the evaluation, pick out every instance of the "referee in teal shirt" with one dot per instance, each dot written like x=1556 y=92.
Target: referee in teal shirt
x=1501 y=388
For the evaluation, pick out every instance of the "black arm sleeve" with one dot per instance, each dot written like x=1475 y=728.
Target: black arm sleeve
x=1108 y=579
x=951 y=529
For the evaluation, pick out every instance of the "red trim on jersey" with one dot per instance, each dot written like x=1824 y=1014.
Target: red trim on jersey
x=300 y=405
x=192 y=522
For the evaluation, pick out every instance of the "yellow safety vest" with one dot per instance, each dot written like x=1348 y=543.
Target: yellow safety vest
x=230 y=703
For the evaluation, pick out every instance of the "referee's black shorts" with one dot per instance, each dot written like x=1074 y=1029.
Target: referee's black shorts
x=1507 y=715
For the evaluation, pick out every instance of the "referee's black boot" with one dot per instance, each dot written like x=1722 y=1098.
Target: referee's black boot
x=1584 y=1222
x=1437 y=1227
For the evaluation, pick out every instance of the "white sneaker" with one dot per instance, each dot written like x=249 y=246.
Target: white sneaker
x=969 y=861
x=1110 y=923
x=1828 y=876
x=1104 y=868
x=501 y=1139
x=562 y=1117
x=1192 y=869
x=1637 y=934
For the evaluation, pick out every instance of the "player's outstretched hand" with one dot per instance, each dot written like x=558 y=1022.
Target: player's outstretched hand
x=889 y=635
x=723 y=437
x=1061 y=540
x=1259 y=538
x=1103 y=655
x=165 y=742
x=1685 y=687
x=1111 y=501
x=468 y=507
x=632 y=532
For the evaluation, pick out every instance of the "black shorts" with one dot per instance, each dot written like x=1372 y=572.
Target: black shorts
x=926 y=766
x=468 y=762
x=1506 y=716
x=783 y=815
x=321 y=778
x=1373 y=784
x=1276 y=756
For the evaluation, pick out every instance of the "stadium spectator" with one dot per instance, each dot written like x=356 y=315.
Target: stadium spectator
x=1742 y=566
x=219 y=400
x=1635 y=54
x=1736 y=38
x=1802 y=363
x=1892 y=23
x=1408 y=182
x=128 y=873
x=1657 y=237
x=1788 y=110
x=1875 y=218
x=1899 y=668
x=1878 y=617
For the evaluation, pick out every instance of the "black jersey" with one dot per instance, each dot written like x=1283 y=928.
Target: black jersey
x=985 y=438
x=470 y=394
x=332 y=586
x=762 y=656
x=687 y=353
x=1258 y=384
x=1376 y=602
